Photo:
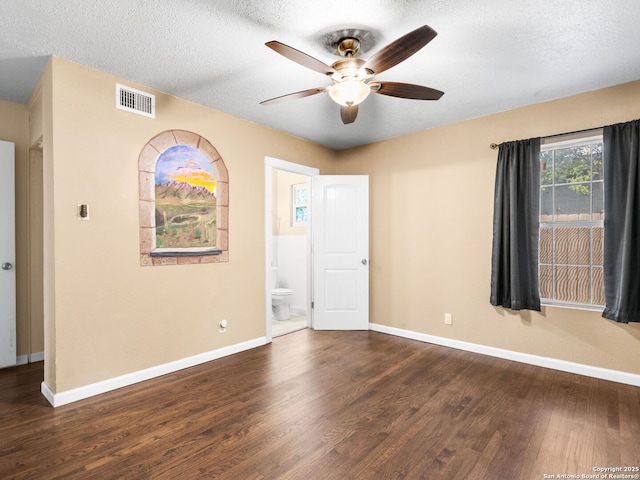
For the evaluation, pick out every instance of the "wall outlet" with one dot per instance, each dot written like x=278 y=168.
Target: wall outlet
x=222 y=326
x=448 y=318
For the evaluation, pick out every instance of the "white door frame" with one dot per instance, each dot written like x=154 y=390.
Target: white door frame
x=271 y=164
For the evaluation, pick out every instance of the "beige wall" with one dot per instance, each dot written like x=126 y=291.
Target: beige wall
x=106 y=316
x=431 y=230
x=35 y=220
x=111 y=315
x=36 y=254
x=282 y=199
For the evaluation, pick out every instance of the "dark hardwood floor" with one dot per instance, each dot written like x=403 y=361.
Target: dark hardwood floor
x=326 y=405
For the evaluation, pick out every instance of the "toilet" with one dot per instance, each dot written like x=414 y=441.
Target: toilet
x=280 y=298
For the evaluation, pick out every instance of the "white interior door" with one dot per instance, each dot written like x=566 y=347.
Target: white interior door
x=340 y=232
x=7 y=256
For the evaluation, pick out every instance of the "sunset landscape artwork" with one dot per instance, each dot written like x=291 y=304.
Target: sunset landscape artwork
x=185 y=199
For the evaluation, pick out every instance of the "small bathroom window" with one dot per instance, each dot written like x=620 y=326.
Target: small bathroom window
x=299 y=203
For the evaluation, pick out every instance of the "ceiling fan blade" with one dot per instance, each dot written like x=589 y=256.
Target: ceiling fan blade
x=406 y=90
x=293 y=96
x=349 y=114
x=300 y=57
x=400 y=50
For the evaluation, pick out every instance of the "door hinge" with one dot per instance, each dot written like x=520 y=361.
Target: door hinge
x=311 y=305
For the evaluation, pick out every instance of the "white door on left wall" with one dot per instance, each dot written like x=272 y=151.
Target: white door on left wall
x=7 y=256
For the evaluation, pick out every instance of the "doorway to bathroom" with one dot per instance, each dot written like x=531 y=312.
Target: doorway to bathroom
x=288 y=239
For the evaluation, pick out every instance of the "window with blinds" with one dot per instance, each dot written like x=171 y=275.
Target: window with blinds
x=571 y=221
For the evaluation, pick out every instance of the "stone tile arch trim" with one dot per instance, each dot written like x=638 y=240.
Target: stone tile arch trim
x=146 y=201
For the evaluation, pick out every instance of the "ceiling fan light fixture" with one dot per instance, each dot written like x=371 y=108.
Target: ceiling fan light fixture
x=351 y=75
x=349 y=92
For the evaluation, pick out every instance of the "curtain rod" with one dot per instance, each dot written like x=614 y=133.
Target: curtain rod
x=494 y=146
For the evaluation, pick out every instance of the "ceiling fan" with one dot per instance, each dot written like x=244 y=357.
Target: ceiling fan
x=351 y=75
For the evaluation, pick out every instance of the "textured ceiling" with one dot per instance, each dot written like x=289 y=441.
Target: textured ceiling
x=489 y=55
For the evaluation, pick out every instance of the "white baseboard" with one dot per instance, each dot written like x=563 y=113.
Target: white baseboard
x=36 y=357
x=30 y=358
x=546 y=362
x=80 y=393
x=298 y=311
x=48 y=394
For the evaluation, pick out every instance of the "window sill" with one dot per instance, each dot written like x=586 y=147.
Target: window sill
x=185 y=252
x=573 y=306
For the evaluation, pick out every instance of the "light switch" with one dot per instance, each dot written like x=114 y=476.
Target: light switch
x=83 y=211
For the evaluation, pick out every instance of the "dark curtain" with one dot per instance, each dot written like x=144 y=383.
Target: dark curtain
x=514 y=260
x=622 y=222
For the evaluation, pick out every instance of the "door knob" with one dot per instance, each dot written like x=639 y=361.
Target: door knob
x=364 y=261
x=7 y=266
